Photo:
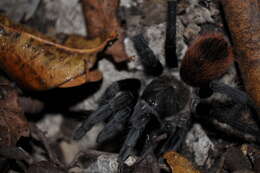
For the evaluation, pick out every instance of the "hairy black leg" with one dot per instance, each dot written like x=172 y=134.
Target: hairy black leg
x=132 y=138
x=119 y=102
x=151 y=64
x=226 y=117
x=99 y=115
x=170 y=42
x=235 y=94
x=229 y=115
x=115 y=125
x=139 y=119
x=225 y=113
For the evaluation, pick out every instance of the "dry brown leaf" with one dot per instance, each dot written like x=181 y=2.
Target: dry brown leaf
x=178 y=163
x=39 y=63
x=101 y=19
x=13 y=124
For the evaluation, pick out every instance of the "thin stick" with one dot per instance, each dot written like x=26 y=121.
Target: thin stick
x=41 y=136
x=170 y=42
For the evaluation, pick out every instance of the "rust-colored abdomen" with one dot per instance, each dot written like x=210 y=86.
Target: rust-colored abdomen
x=208 y=58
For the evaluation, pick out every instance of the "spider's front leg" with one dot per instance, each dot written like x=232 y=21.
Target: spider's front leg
x=116 y=101
x=115 y=125
x=119 y=102
x=237 y=95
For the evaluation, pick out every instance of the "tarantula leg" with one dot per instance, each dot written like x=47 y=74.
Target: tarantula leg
x=205 y=110
x=115 y=125
x=120 y=101
x=151 y=64
x=101 y=114
x=226 y=118
x=235 y=94
x=139 y=119
x=132 y=138
x=170 y=42
x=176 y=130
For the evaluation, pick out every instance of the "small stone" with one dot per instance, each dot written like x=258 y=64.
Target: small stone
x=130 y=161
x=199 y=143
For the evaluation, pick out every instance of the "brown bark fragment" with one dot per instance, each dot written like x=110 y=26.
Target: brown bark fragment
x=243 y=22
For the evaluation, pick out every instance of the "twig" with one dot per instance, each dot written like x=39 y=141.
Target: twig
x=38 y=134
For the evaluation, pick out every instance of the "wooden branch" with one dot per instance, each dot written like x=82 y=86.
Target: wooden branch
x=244 y=24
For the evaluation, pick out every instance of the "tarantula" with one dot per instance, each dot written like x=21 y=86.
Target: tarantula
x=163 y=97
